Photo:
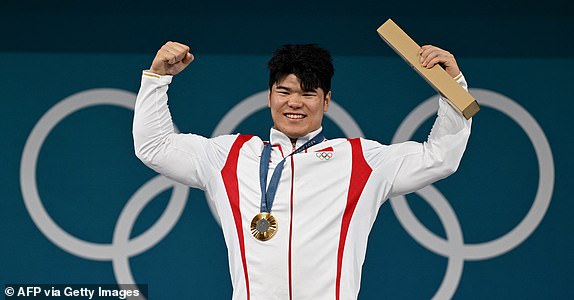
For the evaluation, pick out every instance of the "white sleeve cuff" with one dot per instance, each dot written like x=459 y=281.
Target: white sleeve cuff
x=164 y=79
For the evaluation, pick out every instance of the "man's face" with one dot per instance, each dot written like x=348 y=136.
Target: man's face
x=296 y=112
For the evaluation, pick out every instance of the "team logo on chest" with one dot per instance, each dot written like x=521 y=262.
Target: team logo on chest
x=325 y=154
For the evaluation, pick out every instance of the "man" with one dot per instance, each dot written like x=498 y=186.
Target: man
x=295 y=211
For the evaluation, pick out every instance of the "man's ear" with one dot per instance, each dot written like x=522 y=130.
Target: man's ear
x=269 y=98
x=327 y=101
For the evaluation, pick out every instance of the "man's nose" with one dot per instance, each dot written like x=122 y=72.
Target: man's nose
x=295 y=101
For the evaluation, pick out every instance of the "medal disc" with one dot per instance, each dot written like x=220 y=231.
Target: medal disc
x=263 y=226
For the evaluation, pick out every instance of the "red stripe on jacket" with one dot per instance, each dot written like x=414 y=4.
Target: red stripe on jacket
x=360 y=172
x=229 y=175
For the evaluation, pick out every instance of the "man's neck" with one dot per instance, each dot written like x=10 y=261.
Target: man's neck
x=293 y=142
x=277 y=136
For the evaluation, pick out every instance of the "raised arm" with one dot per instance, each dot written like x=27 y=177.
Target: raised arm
x=424 y=163
x=187 y=158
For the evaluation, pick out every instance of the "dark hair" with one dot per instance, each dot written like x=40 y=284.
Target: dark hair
x=310 y=63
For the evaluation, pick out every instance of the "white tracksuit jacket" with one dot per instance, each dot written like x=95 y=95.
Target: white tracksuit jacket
x=326 y=203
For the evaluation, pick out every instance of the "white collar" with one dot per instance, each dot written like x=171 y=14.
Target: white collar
x=277 y=137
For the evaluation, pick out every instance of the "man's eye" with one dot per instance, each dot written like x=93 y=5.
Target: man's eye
x=283 y=93
x=309 y=95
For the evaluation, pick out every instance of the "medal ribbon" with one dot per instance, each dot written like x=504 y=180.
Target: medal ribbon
x=268 y=195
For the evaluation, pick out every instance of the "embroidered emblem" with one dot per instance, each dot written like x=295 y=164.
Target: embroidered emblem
x=324 y=155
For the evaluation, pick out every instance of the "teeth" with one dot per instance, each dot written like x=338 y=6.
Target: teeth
x=294 y=116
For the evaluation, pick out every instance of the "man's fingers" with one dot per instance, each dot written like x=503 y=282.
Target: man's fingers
x=431 y=56
x=431 y=63
x=188 y=58
x=179 y=50
x=173 y=52
x=171 y=59
x=428 y=57
x=173 y=56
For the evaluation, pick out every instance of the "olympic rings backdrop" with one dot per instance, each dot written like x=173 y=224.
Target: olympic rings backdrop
x=78 y=207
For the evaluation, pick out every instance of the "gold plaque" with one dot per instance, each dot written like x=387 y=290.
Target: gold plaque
x=436 y=76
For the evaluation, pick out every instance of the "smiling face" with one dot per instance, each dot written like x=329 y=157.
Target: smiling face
x=296 y=112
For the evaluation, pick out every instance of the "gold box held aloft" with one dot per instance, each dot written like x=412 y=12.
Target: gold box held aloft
x=436 y=76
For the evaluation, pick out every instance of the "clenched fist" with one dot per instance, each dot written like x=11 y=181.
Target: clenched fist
x=171 y=59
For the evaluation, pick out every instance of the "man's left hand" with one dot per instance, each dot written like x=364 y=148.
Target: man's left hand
x=431 y=55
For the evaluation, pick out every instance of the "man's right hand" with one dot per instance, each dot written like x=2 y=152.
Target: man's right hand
x=171 y=59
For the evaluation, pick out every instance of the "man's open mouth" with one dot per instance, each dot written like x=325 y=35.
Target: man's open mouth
x=294 y=116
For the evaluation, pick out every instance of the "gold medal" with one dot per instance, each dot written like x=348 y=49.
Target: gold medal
x=263 y=226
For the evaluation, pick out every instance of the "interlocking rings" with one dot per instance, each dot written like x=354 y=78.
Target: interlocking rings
x=454 y=247
x=122 y=247
x=324 y=155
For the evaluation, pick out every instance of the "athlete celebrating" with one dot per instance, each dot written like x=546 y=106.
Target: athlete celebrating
x=295 y=211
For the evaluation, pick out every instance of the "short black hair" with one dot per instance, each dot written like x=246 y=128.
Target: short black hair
x=310 y=63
